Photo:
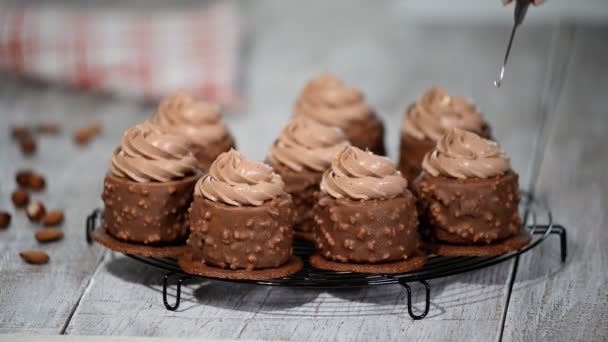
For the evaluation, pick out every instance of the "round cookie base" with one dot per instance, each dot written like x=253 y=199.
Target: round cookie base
x=110 y=242
x=510 y=244
x=415 y=262
x=292 y=266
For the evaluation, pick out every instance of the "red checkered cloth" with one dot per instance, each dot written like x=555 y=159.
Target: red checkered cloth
x=143 y=52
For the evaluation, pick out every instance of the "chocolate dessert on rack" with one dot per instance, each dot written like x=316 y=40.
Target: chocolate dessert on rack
x=468 y=198
x=428 y=119
x=241 y=223
x=330 y=101
x=147 y=193
x=366 y=219
x=303 y=151
x=199 y=122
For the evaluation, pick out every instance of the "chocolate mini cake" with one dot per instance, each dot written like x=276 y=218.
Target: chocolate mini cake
x=467 y=196
x=427 y=120
x=334 y=103
x=300 y=155
x=365 y=217
x=241 y=222
x=149 y=188
x=199 y=122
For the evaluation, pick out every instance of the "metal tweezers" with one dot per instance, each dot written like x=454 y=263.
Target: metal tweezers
x=521 y=7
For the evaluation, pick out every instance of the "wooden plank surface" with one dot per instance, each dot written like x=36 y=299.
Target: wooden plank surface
x=67 y=338
x=569 y=302
x=393 y=60
x=41 y=299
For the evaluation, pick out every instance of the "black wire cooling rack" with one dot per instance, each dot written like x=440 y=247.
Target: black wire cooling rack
x=436 y=267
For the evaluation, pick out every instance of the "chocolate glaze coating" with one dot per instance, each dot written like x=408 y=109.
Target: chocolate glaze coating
x=245 y=237
x=413 y=150
x=151 y=213
x=301 y=185
x=367 y=134
x=205 y=155
x=469 y=211
x=371 y=231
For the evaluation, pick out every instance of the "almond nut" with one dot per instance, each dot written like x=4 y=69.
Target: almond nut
x=5 y=219
x=48 y=234
x=35 y=211
x=85 y=134
x=37 y=182
x=28 y=146
x=23 y=177
x=52 y=218
x=20 y=132
x=20 y=198
x=34 y=257
x=50 y=128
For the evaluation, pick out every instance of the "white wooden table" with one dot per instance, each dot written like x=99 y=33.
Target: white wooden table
x=550 y=117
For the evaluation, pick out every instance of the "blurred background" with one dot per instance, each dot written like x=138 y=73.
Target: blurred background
x=253 y=57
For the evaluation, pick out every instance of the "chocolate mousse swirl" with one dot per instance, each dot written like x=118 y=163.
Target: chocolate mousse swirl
x=462 y=154
x=436 y=112
x=328 y=100
x=305 y=143
x=234 y=180
x=356 y=174
x=199 y=122
x=148 y=155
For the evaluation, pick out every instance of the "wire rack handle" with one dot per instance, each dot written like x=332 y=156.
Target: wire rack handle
x=427 y=299
x=91 y=224
x=178 y=290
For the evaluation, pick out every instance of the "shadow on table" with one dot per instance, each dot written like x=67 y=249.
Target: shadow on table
x=133 y=271
x=492 y=284
x=446 y=294
x=196 y=291
x=270 y=301
x=280 y=302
